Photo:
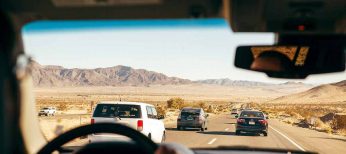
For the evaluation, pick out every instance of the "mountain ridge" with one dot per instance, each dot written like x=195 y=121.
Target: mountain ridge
x=322 y=94
x=58 y=76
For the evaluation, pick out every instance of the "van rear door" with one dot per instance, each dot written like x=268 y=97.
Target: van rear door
x=126 y=114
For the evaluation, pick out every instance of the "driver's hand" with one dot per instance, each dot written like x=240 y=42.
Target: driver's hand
x=165 y=150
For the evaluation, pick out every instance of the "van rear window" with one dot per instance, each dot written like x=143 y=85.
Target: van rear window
x=117 y=110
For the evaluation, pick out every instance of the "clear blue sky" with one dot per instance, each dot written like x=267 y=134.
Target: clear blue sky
x=192 y=49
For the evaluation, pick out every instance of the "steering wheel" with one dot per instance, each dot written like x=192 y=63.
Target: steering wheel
x=140 y=139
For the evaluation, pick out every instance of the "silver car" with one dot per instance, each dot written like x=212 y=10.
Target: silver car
x=192 y=118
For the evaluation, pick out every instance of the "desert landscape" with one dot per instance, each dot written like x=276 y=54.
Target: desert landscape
x=75 y=92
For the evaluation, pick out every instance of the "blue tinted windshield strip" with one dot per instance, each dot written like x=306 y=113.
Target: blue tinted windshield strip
x=123 y=24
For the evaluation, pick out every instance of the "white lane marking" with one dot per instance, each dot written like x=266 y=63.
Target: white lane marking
x=294 y=143
x=226 y=129
x=212 y=141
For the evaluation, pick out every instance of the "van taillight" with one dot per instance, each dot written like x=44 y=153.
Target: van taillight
x=140 y=125
x=92 y=121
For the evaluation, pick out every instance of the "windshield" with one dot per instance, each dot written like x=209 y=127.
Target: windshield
x=170 y=65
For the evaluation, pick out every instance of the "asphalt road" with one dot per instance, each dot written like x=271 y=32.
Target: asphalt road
x=57 y=116
x=221 y=132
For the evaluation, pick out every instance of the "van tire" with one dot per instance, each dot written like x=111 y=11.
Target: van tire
x=202 y=128
x=163 y=137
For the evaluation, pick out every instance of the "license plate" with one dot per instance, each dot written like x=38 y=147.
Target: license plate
x=251 y=122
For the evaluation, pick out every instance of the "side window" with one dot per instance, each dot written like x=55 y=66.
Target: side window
x=149 y=111
x=154 y=112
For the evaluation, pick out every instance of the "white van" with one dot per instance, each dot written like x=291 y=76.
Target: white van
x=47 y=111
x=140 y=116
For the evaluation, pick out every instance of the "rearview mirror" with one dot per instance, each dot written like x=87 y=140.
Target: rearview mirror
x=294 y=62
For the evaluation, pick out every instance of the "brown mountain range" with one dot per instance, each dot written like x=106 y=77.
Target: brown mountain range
x=57 y=76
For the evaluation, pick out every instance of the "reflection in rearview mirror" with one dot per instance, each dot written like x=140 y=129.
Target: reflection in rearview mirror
x=294 y=62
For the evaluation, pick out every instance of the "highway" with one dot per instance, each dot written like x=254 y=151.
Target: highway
x=221 y=132
x=280 y=135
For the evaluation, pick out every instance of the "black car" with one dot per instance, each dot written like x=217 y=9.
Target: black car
x=252 y=121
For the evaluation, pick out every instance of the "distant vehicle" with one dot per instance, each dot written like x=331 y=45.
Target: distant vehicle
x=47 y=111
x=235 y=112
x=140 y=116
x=192 y=118
x=252 y=121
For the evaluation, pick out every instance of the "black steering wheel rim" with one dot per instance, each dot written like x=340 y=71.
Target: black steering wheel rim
x=119 y=129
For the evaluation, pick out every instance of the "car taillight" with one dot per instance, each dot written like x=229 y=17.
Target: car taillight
x=92 y=121
x=240 y=120
x=140 y=125
x=262 y=121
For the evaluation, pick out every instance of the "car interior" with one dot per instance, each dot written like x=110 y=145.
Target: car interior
x=310 y=34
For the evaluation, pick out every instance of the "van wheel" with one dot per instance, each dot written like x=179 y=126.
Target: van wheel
x=163 y=137
x=265 y=134
x=202 y=129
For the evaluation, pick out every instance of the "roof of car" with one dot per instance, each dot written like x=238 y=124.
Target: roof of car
x=191 y=108
x=120 y=102
x=251 y=111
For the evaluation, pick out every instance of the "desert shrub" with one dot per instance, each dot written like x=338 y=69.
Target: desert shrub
x=62 y=107
x=202 y=105
x=210 y=109
x=161 y=110
x=222 y=108
x=171 y=110
x=342 y=131
x=176 y=103
x=339 y=122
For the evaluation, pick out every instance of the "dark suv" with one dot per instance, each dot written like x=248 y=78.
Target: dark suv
x=192 y=118
x=252 y=121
